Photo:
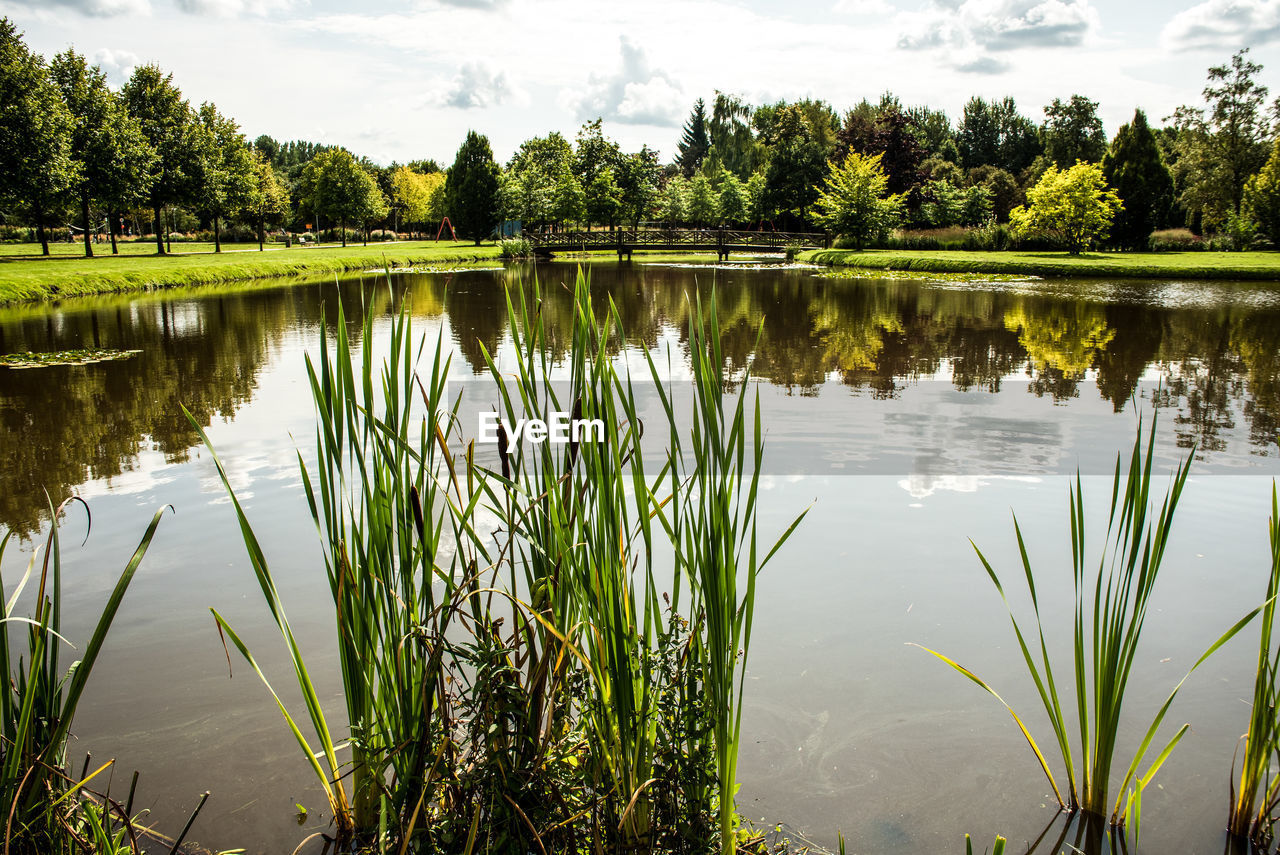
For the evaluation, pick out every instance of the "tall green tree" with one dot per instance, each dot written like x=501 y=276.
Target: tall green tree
x=637 y=177
x=267 y=199
x=532 y=177
x=593 y=153
x=994 y=133
x=36 y=163
x=702 y=203
x=694 y=142
x=604 y=198
x=1223 y=143
x=733 y=142
x=224 y=170
x=673 y=201
x=1262 y=197
x=855 y=199
x=1072 y=131
x=471 y=188
x=796 y=165
x=732 y=199
x=1134 y=168
x=337 y=186
x=169 y=126
x=112 y=160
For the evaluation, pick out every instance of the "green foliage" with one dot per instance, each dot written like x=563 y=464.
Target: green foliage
x=1134 y=168
x=694 y=142
x=1255 y=795
x=537 y=172
x=1110 y=611
x=36 y=160
x=1220 y=145
x=1072 y=206
x=604 y=198
x=410 y=194
x=733 y=143
x=993 y=133
x=797 y=160
x=673 y=201
x=471 y=189
x=1003 y=187
x=338 y=187
x=702 y=202
x=1073 y=131
x=267 y=199
x=855 y=200
x=38 y=705
x=637 y=177
x=1262 y=197
x=732 y=199
x=169 y=127
x=224 y=169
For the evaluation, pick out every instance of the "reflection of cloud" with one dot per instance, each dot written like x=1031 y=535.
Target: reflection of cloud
x=476 y=85
x=635 y=95
x=920 y=486
x=118 y=65
x=971 y=28
x=1224 y=25
x=95 y=8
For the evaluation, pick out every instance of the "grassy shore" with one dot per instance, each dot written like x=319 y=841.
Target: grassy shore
x=25 y=275
x=1139 y=265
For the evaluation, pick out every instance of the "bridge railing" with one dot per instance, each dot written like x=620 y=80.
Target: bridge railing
x=673 y=238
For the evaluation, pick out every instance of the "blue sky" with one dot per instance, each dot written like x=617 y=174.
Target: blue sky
x=407 y=80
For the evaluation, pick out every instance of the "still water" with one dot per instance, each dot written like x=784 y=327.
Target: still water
x=911 y=415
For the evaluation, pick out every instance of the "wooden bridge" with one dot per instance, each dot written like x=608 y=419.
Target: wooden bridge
x=720 y=241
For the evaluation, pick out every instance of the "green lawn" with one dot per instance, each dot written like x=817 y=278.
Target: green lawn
x=1143 y=265
x=26 y=275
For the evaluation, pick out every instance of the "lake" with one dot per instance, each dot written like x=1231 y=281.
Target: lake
x=911 y=414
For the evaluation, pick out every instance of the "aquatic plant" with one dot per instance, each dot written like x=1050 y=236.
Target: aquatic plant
x=1110 y=611
x=1255 y=794
x=42 y=802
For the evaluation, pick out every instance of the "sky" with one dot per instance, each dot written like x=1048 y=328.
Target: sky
x=406 y=81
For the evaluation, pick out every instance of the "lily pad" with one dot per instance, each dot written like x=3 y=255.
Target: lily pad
x=86 y=356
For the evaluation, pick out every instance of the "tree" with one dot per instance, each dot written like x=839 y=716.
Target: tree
x=436 y=198
x=754 y=191
x=267 y=199
x=594 y=153
x=993 y=133
x=1134 y=168
x=111 y=159
x=1073 y=131
x=604 y=198
x=1003 y=187
x=532 y=176
x=694 y=142
x=338 y=187
x=224 y=170
x=637 y=177
x=410 y=195
x=732 y=199
x=796 y=165
x=1262 y=197
x=168 y=125
x=896 y=135
x=733 y=145
x=471 y=188
x=702 y=206
x=1072 y=205
x=673 y=201
x=570 y=198
x=36 y=163
x=855 y=201
x=1221 y=145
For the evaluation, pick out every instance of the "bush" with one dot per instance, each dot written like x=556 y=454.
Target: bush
x=335 y=235
x=382 y=235
x=1175 y=240
x=516 y=247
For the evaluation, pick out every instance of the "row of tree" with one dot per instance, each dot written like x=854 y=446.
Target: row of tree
x=72 y=147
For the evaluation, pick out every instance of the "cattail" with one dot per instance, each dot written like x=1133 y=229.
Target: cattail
x=503 y=446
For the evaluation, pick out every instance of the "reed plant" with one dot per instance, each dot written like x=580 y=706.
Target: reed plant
x=1110 y=610
x=45 y=812
x=1255 y=792
x=514 y=679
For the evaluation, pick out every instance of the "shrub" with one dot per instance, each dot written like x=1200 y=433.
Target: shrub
x=1175 y=240
x=515 y=247
x=382 y=235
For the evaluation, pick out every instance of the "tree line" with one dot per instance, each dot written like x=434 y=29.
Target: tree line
x=74 y=149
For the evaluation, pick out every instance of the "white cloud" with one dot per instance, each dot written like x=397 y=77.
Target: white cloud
x=476 y=85
x=1224 y=25
x=94 y=8
x=118 y=65
x=635 y=95
x=968 y=31
x=236 y=8
x=863 y=8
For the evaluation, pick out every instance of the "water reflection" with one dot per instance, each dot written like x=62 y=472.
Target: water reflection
x=1216 y=362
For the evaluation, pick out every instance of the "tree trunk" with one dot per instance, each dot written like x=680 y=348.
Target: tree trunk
x=159 y=232
x=342 y=224
x=84 y=221
x=168 y=233
x=111 y=229
x=41 y=234
x=217 y=235
x=262 y=232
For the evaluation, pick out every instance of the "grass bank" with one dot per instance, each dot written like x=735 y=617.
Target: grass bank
x=1137 y=265
x=32 y=277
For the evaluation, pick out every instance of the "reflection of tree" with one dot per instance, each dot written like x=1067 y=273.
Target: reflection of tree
x=61 y=426
x=1061 y=340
